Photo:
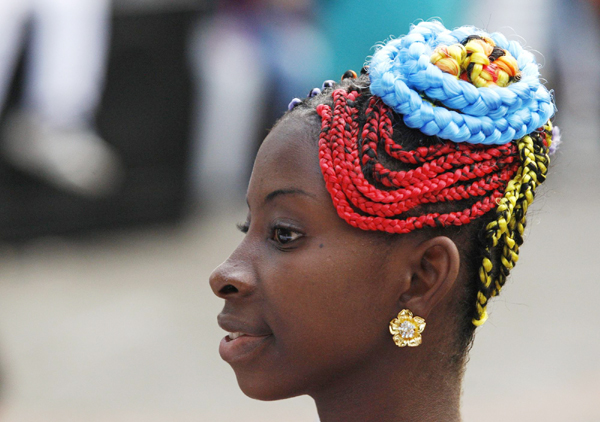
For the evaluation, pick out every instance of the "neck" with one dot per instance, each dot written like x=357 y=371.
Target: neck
x=415 y=391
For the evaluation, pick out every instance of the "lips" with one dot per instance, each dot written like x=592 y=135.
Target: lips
x=245 y=340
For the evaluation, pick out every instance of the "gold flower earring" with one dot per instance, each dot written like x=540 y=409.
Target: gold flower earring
x=407 y=329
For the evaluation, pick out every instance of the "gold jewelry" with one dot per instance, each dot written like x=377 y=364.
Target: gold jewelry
x=407 y=329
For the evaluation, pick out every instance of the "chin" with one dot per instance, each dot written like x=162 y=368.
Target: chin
x=267 y=387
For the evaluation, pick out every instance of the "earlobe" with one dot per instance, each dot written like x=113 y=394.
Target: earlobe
x=434 y=274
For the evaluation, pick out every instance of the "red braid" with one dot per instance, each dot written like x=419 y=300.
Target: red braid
x=444 y=172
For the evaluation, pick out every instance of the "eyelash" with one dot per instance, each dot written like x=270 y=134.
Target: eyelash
x=275 y=232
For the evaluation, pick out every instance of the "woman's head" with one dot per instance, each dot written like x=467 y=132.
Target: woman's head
x=406 y=187
x=314 y=293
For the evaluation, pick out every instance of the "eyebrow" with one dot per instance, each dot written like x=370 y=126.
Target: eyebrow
x=290 y=191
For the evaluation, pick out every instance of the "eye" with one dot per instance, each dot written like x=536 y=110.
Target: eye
x=285 y=235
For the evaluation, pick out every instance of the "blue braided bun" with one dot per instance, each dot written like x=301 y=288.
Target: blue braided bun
x=403 y=76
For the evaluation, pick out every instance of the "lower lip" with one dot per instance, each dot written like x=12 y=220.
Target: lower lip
x=242 y=348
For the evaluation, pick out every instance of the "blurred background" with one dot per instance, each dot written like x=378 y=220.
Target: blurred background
x=127 y=133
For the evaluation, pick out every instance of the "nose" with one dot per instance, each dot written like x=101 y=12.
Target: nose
x=232 y=279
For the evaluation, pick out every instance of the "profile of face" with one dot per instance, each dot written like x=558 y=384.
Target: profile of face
x=308 y=298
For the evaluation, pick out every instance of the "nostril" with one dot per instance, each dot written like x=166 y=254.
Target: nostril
x=228 y=289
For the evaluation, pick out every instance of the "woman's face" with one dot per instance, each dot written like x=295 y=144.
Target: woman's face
x=311 y=295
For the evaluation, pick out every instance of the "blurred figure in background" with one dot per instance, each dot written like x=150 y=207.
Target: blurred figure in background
x=575 y=49
x=51 y=134
x=266 y=49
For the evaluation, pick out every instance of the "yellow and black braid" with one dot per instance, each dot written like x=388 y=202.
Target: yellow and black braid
x=503 y=236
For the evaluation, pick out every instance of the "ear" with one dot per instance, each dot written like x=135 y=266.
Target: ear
x=434 y=272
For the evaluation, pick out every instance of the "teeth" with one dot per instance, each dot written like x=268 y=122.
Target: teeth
x=233 y=336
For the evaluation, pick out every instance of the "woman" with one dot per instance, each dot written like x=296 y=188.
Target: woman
x=387 y=204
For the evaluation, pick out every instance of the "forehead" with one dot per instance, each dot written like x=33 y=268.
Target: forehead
x=289 y=157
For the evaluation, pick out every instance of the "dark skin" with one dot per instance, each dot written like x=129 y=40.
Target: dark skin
x=315 y=296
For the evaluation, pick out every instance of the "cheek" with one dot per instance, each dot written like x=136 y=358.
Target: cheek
x=327 y=311
x=322 y=304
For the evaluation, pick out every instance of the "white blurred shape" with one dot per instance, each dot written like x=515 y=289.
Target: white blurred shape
x=53 y=137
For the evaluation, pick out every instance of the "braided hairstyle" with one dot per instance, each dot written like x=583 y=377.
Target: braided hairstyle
x=446 y=131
